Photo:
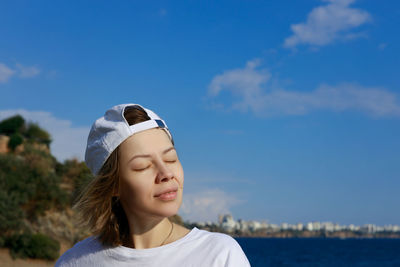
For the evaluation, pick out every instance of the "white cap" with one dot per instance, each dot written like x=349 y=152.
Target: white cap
x=109 y=131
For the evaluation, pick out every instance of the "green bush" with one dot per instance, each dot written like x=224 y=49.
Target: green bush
x=14 y=192
x=14 y=124
x=29 y=186
x=31 y=131
x=15 y=140
x=36 y=134
x=11 y=215
x=28 y=245
x=76 y=173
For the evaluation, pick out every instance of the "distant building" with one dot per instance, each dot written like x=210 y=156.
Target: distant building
x=309 y=226
x=254 y=226
x=327 y=226
x=227 y=222
x=368 y=228
x=243 y=226
x=299 y=227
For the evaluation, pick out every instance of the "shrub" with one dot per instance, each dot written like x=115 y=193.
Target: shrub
x=36 y=134
x=14 y=192
x=28 y=187
x=11 y=215
x=33 y=133
x=15 y=140
x=75 y=173
x=14 y=124
x=38 y=246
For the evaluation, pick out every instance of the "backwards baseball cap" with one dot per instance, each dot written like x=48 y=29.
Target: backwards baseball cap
x=109 y=131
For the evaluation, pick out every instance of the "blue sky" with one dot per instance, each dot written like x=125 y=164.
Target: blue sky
x=285 y=111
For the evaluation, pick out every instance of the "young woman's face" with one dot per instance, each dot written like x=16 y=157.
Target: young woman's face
x=151 y=175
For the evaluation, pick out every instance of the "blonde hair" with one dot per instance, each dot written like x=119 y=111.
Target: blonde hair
x=97 y=208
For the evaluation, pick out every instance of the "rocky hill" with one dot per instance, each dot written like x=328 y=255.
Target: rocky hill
x=36 y=194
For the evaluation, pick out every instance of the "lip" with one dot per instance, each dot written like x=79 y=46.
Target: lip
x=168 y=196
x=167 y=190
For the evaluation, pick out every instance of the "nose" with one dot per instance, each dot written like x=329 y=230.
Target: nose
x=164 y=173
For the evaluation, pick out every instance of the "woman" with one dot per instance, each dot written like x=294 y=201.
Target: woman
x=138 y=184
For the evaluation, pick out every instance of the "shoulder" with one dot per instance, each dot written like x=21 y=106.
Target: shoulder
x=218 y=238
x=224 y=246
x=86 y=247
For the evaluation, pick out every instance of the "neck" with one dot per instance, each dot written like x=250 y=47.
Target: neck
x=148 y=234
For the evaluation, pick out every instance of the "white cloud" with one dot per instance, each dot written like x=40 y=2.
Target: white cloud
x=27 y=72
x=5 y=73
x=328 y=23
x=373 y=101
x=22 y=72
x=253 y=94
x=245 y=84
x=68 y=141
x=206 y=205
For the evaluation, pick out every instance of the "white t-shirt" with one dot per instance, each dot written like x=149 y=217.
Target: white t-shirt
x=197 y=248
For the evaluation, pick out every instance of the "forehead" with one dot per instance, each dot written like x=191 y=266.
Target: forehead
x=148 y=141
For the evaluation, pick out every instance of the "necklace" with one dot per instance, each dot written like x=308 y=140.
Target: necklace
x=172 y=228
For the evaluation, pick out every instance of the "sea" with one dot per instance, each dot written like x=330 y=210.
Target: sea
x=321 y=251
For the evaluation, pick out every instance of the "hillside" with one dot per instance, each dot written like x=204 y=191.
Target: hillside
x=36 y=194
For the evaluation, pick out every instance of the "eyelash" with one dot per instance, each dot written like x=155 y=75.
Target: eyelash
x=168 y=161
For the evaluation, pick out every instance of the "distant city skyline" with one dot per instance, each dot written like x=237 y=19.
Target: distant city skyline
x=229 y=224
x=286 y=111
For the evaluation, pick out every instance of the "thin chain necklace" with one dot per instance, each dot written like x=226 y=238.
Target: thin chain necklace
x=172 y=228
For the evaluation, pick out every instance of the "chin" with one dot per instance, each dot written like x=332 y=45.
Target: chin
x=169 y=210
x=165 y=214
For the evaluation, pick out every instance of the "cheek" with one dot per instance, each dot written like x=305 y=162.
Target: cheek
x=179 y=174
x=135 y=188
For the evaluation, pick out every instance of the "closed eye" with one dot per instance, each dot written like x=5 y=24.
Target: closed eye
x=142 y=169
x=167 y=161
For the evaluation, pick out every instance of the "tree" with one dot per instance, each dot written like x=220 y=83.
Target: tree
x=17 y=129
x=15 y=140
x=29 y=186
x=30 y=245
x=76 y=174
x=14 y=124
x=36 y=134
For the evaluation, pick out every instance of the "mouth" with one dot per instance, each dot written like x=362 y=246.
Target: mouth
x=168 y=194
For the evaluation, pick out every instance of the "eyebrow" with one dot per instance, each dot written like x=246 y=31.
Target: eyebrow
x=147 y=155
